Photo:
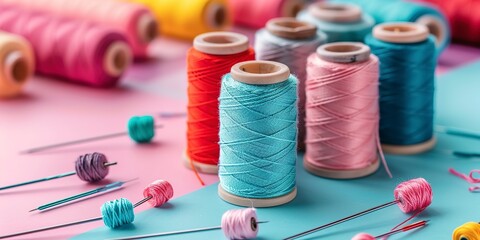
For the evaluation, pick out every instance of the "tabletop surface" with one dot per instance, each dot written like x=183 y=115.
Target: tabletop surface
x=52 y=111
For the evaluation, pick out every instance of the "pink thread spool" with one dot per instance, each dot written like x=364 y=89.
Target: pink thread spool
x=132 y=20
x=16 y=64
x=404 y=33
x=77 y=51
x=256 y=14
x=342 y=114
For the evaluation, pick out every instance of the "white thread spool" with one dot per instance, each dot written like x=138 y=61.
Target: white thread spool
x=258 y=73
x=216 y=43
x=404 y=32
x=344 y=53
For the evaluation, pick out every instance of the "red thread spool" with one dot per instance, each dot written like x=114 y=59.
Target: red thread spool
x=212 y=56
x=255 y=14
x=132 y=20
x=80 y=52
x=463 y=18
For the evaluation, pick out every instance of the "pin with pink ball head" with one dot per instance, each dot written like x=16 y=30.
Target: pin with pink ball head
x=411 y=196
x=236 y=224
x=141 y=129
x=366 y=236
x=118 y=212
x=90 y=167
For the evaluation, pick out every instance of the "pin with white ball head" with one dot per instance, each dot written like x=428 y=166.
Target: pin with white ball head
x=88 y=167
x=417 y=187
x=157 y=193
x=141 y=129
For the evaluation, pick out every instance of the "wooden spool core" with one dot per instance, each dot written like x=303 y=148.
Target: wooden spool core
x=117 y=58
x=336 y=12
x=434 y=26
x=401 y=32
x=344 y=52
x=221 y=43
x=291 y=28
x=147 y=28
x=200 y=167
x=216 y=15
x=256 y=202
x=291 y=8
x=17 y=68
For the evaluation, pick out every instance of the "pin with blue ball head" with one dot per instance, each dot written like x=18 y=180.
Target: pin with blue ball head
x=141 y=129
x=88 y=167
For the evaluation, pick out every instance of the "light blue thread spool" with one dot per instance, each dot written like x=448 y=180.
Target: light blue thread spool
x=407 y=73
x=258 y=134
x=117 y=213
x=406 y=11
x=289 y=41
x=341 y=22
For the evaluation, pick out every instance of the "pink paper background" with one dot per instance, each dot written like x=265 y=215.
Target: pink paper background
x=51 y=111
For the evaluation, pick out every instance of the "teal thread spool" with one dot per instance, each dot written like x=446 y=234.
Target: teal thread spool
x=141 y=129
x=341 y=22
x=384 y=11
x=258 y=134
x=407 y=72
x=117 y=213
x=289 y=41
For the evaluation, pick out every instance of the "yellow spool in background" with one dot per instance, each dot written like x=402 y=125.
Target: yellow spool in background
x=16 y=64
x=188 y=18
x=468 y=231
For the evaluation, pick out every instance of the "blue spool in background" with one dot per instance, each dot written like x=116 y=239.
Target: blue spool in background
x=404 y=11
x=258 y=134
x=407 y=74
x=341 y=22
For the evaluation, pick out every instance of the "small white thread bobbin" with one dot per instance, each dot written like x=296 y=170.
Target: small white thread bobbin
x=336 y=12
x=343 y=52
x=216 y=15
x=216 y=43
x=147 y=28
x=291 y=8
x=404 y=32
x=117 y=58
x=291 y=28
x=258 y=73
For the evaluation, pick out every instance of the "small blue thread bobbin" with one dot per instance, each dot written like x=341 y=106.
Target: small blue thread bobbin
x=117 y=213
x=258 y=134
x=341 y=22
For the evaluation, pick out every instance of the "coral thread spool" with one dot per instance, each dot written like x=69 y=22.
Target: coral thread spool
x=341 y=22
x=202 y=132
x=256 y=76
x=256 y=15
x=343 y=54
x=289 y=41
x=16 y=64
x=403 y=33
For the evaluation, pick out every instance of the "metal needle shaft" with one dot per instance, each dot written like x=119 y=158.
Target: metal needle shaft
x=112 y=135
x=67 y=174
x=60 y=225
x=404 y=229
x=342 y=220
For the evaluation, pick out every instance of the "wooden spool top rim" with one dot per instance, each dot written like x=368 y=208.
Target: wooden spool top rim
x=17 y=68
x=291 y=28
x=344 y=52
x=401 y=32
x=221 y=43
x=336 y=12
x=260 y=72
